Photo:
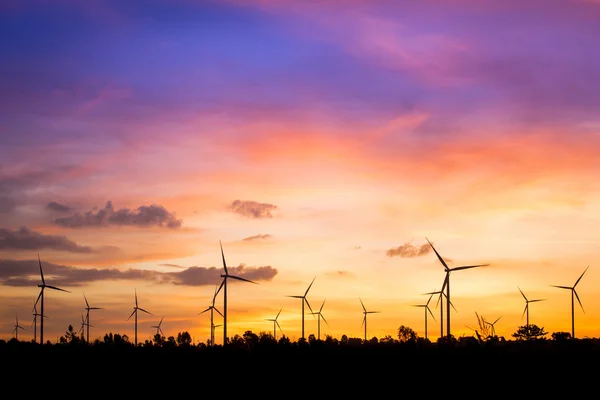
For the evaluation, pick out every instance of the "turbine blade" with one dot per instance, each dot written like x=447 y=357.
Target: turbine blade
x=308 y=304
x=522 y=293
x=147 y=312
x=202 y=312
x=562 y=287
x=468 y=266
x=311 y=283
x=438 y=255
x=223 y=257
x=57 y=288
x=219 y=312
x=242 y=279
x=278 y=313
x=220 y=286
x=41 y=272
x=363 y=305
x=576 y=295
x=130 y=315
x=525 y=310
x=433 y=316
x=580 y=276
x=86 y=302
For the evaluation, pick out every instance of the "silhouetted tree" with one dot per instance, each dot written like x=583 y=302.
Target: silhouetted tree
x=344 y=339
x=312 y=338
x=561 y=336
x=184 y=338
x=529 y=332
x=250 y=339
x=387 y=339
x=70 y=336
x=158 y=339
x=406 y=334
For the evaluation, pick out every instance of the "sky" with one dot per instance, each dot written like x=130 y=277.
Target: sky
x=321 y=143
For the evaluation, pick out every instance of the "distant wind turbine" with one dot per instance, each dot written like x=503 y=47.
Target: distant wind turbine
x=34 y=322
x=275 y=324
x=447 y=282
x=320 y=316
x=87 y=316
x=135 y=312
x=427 y=309
x=573 y=295
x=440 y=303
x=84 y=323
x=212 y=308
x=159 y=330
x=304 y=300
x=492 y=326
x=43 y=286
x=226 y=276
x=364 y=321
x=17 y=327
x=527 y=301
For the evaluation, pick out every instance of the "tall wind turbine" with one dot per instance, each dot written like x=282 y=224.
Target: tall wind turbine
x=447 y=282
x=304 y=300
x=17 y=327
x=573 y=295
x=212 y=308
x=275 y=324
x=427 y=309
x=226 y=276
x=526 y=310
x=364 y=321
x=87 y=315
x=84 y=323
x=135 y=311
x=320 y=316
x=159 y=330
x=43 y=286
x=440 y=303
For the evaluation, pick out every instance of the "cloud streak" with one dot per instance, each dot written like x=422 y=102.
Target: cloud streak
x=26 y=239
x=408 y=250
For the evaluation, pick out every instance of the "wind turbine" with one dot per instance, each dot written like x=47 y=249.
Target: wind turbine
x=135 y=311
x=365 y=312
x=34 y=322
x=87 y=315
x=526 y=310
x=439 y=302
x=84 y=323
x=275 y=324
x=447 y=282
x=493 y=329
x=159 y=330
x=226 y=276
x=212 y=308
x=320 y=315
x=573 y=295
x=304 y=300
x=43 y=286
x=17 y=327
x=426 y=307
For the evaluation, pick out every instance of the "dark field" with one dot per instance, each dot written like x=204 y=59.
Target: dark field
x=517 y=370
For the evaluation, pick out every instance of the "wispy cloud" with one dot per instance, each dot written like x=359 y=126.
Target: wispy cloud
x=144 y=216
x=257 y=237
x=57 y=207
x=26 y=239
x=408 y=250
x=253 y=209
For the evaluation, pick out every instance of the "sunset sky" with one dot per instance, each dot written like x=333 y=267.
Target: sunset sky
x=318 y=139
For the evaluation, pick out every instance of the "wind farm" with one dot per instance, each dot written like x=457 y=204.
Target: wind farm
x=238 y=162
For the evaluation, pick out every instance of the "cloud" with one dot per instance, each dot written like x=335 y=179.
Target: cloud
x=197 y=276
x=172 y=266
x=154 y=215
x=57 y=207
x=253 y=209
x=257 y=237
x=408 y=250
x=26 y=273
x=26 y=239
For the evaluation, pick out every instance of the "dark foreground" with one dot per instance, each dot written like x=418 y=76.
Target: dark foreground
x=518 y=371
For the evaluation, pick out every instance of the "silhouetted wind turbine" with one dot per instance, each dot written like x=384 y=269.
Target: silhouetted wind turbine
x=211 y=308
x=320 y=315
x=17 y=327
x=34 y=322
x=426 y=307
x=491 y=324
x=447 y=282
x=526 y=310
x=87 y=315
x=226 y=276
x=439 y=302
x=275 y=324
x=84 y=323
x=364 y=321
x=159 y=330
x=573 y=295
x=135 y=311
x=304 y=300
x=43 y=286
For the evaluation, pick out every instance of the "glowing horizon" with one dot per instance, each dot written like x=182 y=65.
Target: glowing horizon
x=137 y=136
